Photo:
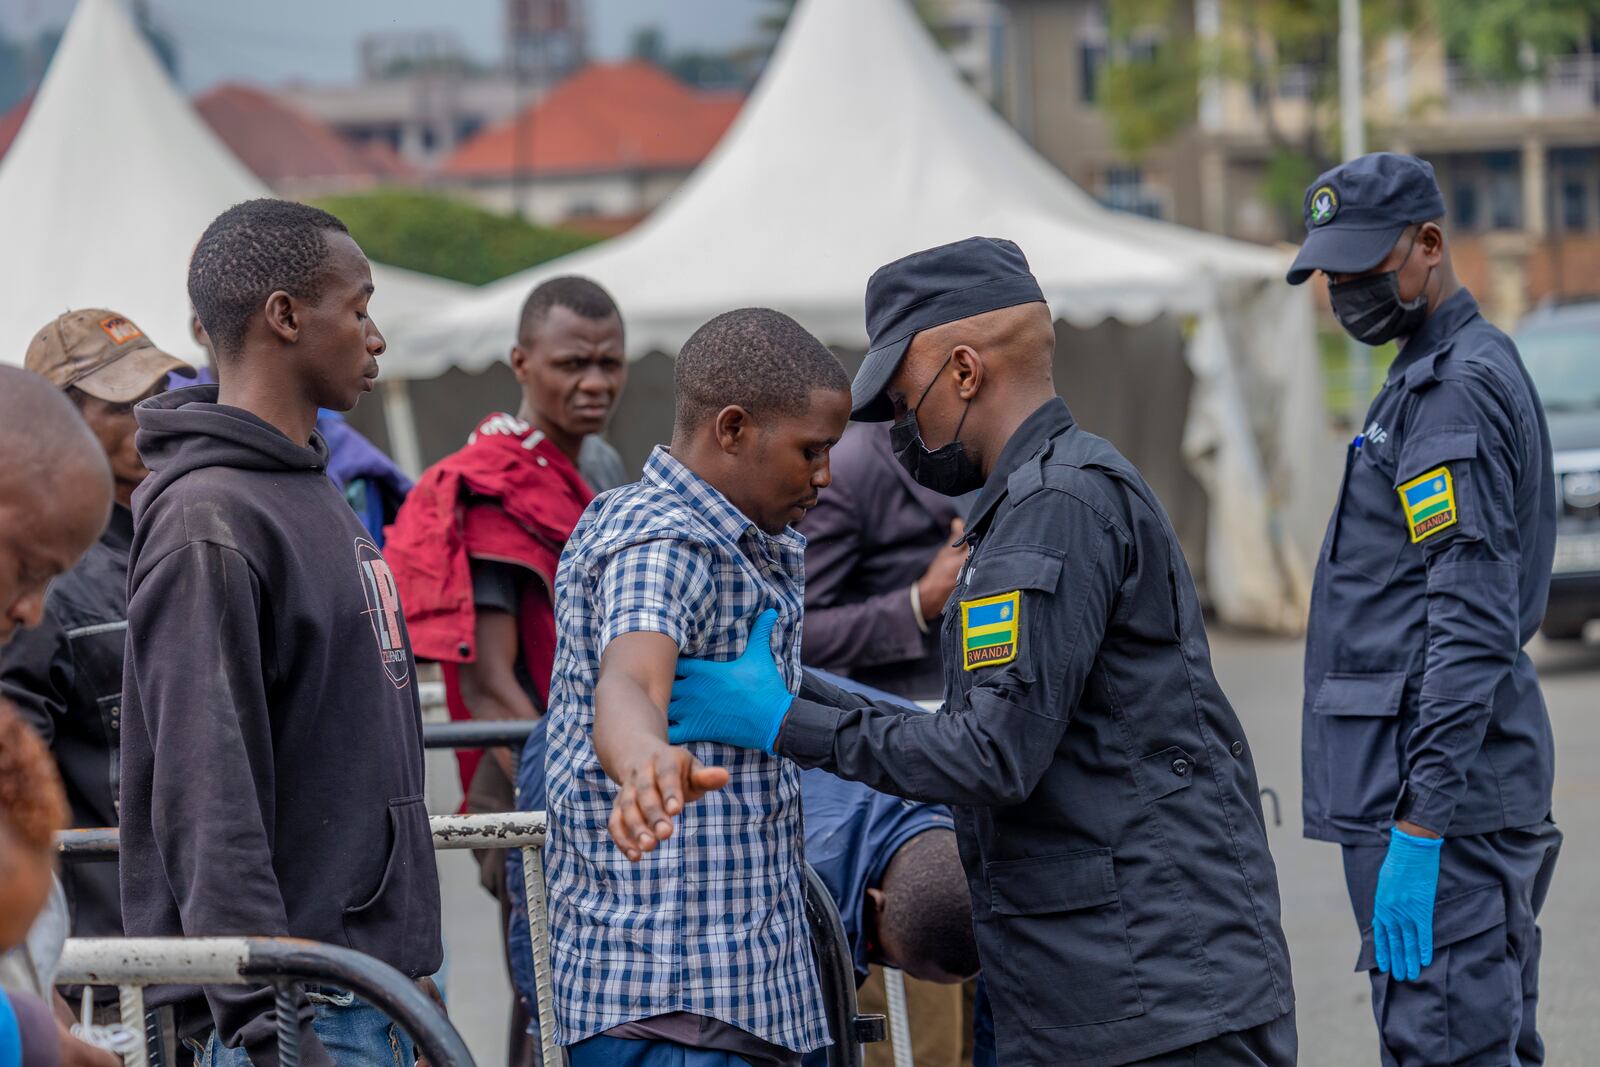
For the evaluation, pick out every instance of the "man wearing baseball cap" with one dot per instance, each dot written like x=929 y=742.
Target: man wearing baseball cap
x=1106 y=802
x=65 y=675
x=1428 y=749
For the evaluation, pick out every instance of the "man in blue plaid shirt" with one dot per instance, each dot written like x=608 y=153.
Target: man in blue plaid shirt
x=687 y=945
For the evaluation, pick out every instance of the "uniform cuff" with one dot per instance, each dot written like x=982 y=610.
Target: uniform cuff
x=1422 y=807
x=807 y=733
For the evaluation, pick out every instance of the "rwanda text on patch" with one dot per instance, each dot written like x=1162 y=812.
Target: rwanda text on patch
x=989 y=630
x=1429 y=503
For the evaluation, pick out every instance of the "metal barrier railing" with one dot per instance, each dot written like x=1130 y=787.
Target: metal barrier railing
x=132 y=963
x=476 y=733
x=526 y=831
x=894 y=995
x=836 y=974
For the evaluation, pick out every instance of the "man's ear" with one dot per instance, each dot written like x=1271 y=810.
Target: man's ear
x=519 y=363
x=1431 y=238
x=732 y=427
x=879 y=901
x=967 y=365
x=282 y=317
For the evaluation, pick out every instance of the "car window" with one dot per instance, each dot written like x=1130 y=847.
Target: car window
x=1565 y=364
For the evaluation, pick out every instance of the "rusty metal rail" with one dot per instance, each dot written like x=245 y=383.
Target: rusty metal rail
x=132 y=963
x=523 y=830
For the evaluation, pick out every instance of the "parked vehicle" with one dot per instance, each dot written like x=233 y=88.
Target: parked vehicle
x=1561 y=347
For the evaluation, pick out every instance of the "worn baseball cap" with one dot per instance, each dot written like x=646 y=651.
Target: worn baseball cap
x=102 y=353
x=928 y=289
x=1357 y=211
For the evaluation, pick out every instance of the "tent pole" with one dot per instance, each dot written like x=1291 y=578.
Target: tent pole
x=401 y=423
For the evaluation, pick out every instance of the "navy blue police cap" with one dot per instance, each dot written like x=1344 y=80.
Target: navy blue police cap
x=928 y=289
x=1356 y=212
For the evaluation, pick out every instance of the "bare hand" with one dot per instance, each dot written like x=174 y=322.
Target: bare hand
x=939 y=580
x=657 y=781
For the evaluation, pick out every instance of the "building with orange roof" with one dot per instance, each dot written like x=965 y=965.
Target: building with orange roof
x=601 y=151
x=294 y=152
x=11 y=123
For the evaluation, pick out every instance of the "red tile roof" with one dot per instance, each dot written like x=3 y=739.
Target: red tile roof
x=607 y=117
x=279 y=142
x=11 y=123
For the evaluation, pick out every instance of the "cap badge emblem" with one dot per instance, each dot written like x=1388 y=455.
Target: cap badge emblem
x=120 y=330
x=1324 y=205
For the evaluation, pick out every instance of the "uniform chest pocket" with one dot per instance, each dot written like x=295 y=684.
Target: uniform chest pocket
x=994 y=624
x=1368 y=529
x=1063 y=938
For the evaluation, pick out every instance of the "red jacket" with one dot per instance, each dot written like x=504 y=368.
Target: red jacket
x=509 y=495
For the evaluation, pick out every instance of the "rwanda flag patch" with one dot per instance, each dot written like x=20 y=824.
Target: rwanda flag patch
x=989 y=630
x=1429 y=503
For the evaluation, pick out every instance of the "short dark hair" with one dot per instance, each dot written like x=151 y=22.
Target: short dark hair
x=757 y=358
x=581 y=296
x=927 y=914
x=249 y=252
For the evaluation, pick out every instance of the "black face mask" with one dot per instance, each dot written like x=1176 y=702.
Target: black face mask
x=948 y=469
x=1370 y=309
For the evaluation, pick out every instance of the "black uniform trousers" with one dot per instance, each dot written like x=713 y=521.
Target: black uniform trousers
x=1272 y=1044
x=1477 y=1001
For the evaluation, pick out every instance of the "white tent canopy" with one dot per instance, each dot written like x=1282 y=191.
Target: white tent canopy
x=861 y=145
x=110 y=183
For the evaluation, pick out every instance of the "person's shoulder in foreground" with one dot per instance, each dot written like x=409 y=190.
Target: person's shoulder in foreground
x=684 y=562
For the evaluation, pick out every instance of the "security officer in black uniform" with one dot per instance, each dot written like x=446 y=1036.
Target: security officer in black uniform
x=1427 y=747
x=1107 y=807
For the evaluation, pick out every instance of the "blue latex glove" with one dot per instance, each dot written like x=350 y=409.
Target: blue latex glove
x=1402 y=912
x=740 y=702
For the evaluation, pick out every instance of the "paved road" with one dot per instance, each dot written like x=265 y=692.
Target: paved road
x=1262 y=677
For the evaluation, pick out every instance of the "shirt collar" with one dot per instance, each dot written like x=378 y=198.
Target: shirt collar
x=1050 y=421
x=666 y=471
x=1437 y=329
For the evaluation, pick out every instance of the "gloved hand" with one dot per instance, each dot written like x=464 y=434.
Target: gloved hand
x=1402 y=912
x=741 y=702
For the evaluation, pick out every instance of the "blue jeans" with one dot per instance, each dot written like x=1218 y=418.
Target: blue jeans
x=603 y=1051
x=354 y=1032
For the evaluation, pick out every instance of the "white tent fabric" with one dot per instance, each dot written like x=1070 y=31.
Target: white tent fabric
x=110 y=183
x=861 y=145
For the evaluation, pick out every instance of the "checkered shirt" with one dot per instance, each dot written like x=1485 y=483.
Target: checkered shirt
x=713 y=921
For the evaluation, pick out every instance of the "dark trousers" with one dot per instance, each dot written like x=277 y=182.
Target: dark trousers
x=1272 y=1044
x=1477 y=1002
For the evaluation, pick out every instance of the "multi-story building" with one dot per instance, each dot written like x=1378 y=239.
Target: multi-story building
x=1519 y=165
x=422 y=96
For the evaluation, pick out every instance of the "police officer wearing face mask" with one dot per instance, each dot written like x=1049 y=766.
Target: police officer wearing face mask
x=1427 y=747
x=1106 y=803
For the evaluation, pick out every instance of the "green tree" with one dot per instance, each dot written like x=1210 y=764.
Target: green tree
x=445 y=237
x=1156 y=64
x=1504 y=40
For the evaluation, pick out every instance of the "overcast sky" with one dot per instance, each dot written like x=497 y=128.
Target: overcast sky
x=315 y=40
